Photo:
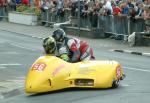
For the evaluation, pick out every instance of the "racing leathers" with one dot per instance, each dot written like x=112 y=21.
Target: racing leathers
x=56 y=49
x=78 y=50
x=62 y=52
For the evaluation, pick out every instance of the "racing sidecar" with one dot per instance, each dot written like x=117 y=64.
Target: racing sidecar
x=49 y=73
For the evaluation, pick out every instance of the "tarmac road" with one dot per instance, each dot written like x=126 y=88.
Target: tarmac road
x=18 y=52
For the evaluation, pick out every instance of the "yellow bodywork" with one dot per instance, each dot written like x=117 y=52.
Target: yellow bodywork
x=49 y=73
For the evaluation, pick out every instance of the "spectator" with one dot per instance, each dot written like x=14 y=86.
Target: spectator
x=1 y=3
x=117 y=1
x=12 y=5
x=116 y=9
x=85 y=10
x=25 y=2
x=97 y=5
x=1 y=9
x=132 y=11
x=124 y=9
x=146 y=2
x=94 y=16
x=81 y=6
x=73 y=9
x=45 y=8
x=129 y=3
x=146 y=16
x=54 y=3
x=139 y=10
x=60 y=4
x=108 y=7
x=90 y=4
x=102 y=9
x=37 y=3
x=18 y=2
x=68 y=3
x=60 y=8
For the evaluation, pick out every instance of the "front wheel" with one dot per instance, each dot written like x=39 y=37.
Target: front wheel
x=115 y=83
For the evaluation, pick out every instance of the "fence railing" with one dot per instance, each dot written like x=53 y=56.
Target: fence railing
x=2 y=13
x=113 y=24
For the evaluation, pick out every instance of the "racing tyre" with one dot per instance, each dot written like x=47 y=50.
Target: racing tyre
x=115 y=83
x=123 y=76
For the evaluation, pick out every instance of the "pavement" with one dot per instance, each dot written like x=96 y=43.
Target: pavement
x=42 y=32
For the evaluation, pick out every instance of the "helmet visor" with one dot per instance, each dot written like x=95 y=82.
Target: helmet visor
x=58 y=35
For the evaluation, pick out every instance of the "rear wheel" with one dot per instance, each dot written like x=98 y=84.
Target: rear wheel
x=115 y=83
x=123 y=76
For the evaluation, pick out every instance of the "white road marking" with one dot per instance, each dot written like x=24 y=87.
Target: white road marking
x=21 y=46
x=12 y=84
x=146 y=54
x=9 y=52
x=2 y=67
x=11 y=64
x=20 y=83
x=21 y=77
x=1 y=97
x=125 y=85
x=136 y=69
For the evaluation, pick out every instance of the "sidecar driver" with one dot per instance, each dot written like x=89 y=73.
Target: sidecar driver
x=50 y=47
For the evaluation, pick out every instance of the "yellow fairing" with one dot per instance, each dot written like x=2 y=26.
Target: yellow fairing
x=50 y=73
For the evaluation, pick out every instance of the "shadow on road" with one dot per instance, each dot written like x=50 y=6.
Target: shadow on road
x=73 y=90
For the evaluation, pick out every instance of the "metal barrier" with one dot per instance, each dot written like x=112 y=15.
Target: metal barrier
x=3 y=13
x=137 y=25
x=49 y=17
x=112 y=24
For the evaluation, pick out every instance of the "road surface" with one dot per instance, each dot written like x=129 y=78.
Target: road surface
x=18 y=52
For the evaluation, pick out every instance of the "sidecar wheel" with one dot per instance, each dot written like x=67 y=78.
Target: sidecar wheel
x=115 y=83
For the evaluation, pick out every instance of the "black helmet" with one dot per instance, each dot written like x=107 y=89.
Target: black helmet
x=49 y=45
x=59 y=35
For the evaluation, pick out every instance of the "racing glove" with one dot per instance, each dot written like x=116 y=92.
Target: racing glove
x=65 y=57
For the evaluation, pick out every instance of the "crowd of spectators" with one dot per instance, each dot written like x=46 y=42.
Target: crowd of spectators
x=10 y=5
x=136 y=9
x=93 y=8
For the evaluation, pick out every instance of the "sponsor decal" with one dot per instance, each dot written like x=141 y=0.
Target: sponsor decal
x=57 y=69
x=86 y=71
x=118 y=72
x=39 y=67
